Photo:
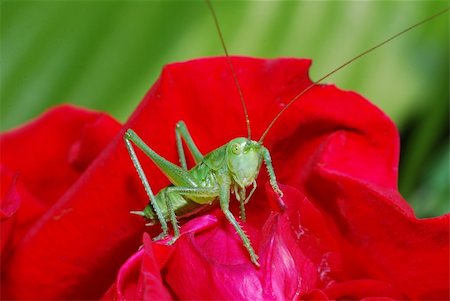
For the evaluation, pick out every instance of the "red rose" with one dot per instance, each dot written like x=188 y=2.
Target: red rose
x=208 y=261
x=347 y=233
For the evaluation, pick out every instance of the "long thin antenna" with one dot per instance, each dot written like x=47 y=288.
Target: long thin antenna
x=296 y=97
x=233 y=72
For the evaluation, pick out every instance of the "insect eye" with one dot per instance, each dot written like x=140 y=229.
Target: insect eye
x=236 y=149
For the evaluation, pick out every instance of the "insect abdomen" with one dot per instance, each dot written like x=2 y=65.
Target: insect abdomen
x=182 y=207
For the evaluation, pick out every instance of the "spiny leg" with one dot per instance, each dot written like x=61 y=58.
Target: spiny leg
x=224 y=196
x=251 y=192
x=272 y=177
x=243 y=202
x=181 y=131
x=173 y=218
x=242 y=210
x=207 y=192
x=177 y=175
x=147 y=188
x=240 y=192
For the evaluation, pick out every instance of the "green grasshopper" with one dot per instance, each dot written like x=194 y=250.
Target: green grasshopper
x=233 y=167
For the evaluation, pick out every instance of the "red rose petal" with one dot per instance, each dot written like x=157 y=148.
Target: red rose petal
x=9 y=198
x=44 y=172
x=382 y=241
x=153 y=287
x=359 y=289
x=139 y=277
x=315 y=295
x=39 y=151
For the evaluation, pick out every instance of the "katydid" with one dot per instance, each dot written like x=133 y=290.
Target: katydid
x=231 y=168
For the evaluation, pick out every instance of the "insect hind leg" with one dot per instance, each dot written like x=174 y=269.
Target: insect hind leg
x=170 y=199
x=148 y=190
x=181 y=132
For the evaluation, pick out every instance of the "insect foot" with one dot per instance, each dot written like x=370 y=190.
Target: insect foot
x=160 y=236
x=280 y=195
x=173 y=240
x=279 y=192
x=281 y=204
x=254 y=259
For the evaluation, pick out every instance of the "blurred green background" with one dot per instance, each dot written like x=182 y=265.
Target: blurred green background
x=105 y=55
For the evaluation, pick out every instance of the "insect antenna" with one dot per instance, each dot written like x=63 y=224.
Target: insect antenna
x=301 y=93
x=233 y=72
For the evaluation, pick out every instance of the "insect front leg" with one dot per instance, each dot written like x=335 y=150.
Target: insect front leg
x=272 y=178
x=148 y=190
x=244 y=200
x=181 y=131
x=241 y=198
x=240 y=192
x=224 y=196
x=255 y=185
